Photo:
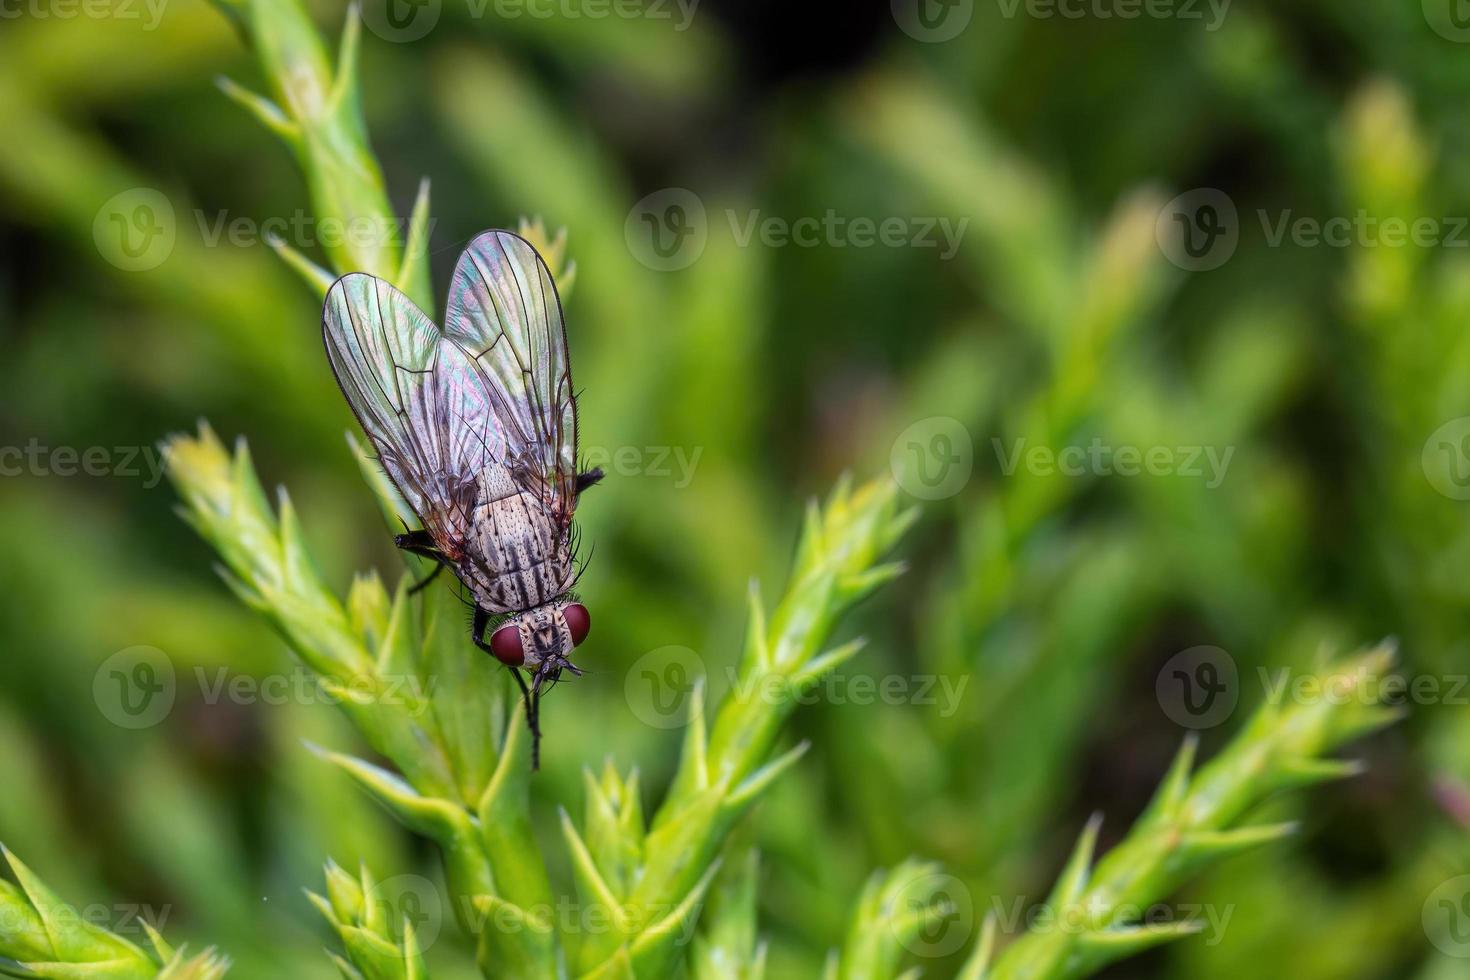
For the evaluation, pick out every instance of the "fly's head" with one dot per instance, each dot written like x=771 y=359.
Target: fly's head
x=541 y=639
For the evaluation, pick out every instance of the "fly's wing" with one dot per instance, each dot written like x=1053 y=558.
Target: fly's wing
x=504 y=311
x=420 y=398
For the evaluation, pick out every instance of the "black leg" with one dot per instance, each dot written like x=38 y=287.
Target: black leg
x=415 y=540
x=535 y=722
x=427 y=579
x=421 y=543
x=590 y=478
x=477 y=631
x=532 y=701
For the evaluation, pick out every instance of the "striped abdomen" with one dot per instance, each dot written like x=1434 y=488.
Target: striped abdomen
x=514 y=558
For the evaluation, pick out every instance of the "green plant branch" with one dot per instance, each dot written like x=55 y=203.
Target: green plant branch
x=470 y=792
x=317 y=112
x=893 y=913
x=42 y=936
x=361 y=919
x=728 y=947
x=651 y=882
x=1194 y=821
x=402 y=672
x=665 y=869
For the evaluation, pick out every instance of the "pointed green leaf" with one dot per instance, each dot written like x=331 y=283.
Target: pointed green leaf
x=590 y=884
x=1073 y=879
x=659 y=946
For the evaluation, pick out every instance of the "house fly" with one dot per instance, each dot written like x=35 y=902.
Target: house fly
x=476 y=425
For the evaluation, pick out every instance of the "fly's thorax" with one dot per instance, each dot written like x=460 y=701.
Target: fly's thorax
x=494 y=483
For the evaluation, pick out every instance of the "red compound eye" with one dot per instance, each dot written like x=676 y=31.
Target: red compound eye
x=579 y=621
x=505 y=643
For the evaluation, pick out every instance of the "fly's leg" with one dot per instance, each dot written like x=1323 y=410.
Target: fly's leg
x=417 y=543
x=421 y=543
x=531 y=701
x=423 y=583
x=591 y=478
x=533 y=718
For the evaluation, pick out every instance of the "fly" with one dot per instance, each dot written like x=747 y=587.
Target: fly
x=476 y=425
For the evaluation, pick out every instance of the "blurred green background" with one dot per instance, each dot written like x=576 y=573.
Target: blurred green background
x=1335 y=374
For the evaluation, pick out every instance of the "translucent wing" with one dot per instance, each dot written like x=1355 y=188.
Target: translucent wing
x=504 y=310
x=421 y=399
